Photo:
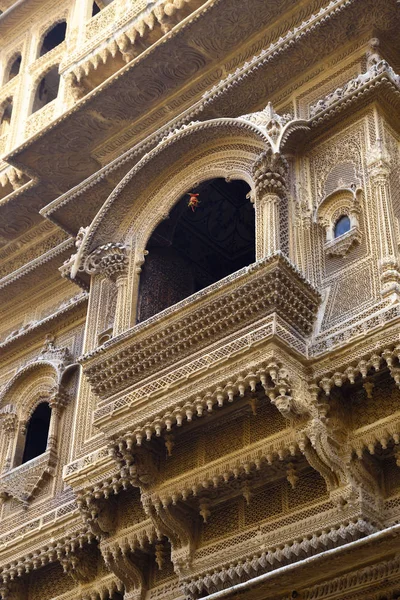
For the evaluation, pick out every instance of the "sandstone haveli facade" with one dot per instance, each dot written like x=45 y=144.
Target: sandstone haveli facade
x=200 y=299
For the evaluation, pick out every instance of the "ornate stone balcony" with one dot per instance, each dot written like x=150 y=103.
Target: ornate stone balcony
x=267 y=299
x=22 y=482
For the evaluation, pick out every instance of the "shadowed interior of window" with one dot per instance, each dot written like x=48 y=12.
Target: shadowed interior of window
x=197 y=246
x=37 y=432
x=53 y=38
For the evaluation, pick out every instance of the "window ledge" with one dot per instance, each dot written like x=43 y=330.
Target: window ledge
x=21 y=482
x=341 y=245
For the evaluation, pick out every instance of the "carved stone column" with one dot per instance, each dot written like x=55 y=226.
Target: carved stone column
x=9 y=428
x=269 y=174
x=111 y=260
x=57 y=403
x=379 y=172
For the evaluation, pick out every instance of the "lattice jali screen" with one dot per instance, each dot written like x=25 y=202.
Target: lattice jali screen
x=311 y=486
x=224 y=520
x=266 y=422
x=228 y=438
x=384 y=402
x=342 y=175
x=266 y=503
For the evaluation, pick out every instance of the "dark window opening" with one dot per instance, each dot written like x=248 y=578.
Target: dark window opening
x=47 y=90
x=342 y=226
x=6 y=118
x=95 y=9
x=193 y=249
x=37 y=432
x=53 y=38
x=15 y=67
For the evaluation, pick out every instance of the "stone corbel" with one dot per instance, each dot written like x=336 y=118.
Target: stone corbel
x=131 y=574
x=78 y=568
x=176 y=524
x=96 y=513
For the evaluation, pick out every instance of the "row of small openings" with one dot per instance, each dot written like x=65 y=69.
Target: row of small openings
x=53 y=38
x=46 y=91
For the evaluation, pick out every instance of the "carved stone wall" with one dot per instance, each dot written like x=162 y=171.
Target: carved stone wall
x=238 y=440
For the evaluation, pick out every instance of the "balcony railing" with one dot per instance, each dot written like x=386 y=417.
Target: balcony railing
x=22 y=481
x=271 y=289
x=39 y=119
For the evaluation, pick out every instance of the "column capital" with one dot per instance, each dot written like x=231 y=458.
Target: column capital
x=110 y=260
x=269 y=173
x=378 y=161
x=58 y=399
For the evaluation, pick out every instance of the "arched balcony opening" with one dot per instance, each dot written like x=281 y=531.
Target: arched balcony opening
x=6 y=117
x=15 y=67
x=342 y=226
x=37 y=432
x=197 y=245
x=47 y=89
x=53 y=38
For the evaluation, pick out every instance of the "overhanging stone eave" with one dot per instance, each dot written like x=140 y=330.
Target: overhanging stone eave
x=381 y=91
x=317 y=569
x=22 y=155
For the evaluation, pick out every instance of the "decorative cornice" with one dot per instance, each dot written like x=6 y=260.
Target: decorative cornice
x=33 y=327
x=380 y=71
x=36 y=263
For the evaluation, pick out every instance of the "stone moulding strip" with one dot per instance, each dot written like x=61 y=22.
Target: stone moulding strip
x=46 y=520
x=269 y=286
x=36 y=325
x=37 y=262
x=373 y=574
x=86 y=463
x=326 y=343
x=286 y=552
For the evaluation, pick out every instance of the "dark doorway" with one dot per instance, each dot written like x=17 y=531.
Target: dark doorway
x=53 y=38
x=37 y=432
x=193 y=249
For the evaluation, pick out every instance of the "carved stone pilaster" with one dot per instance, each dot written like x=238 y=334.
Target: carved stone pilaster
x=111 y=260
x=379 y=166
x=269 y=174
x=8 y=426
x=57 y=402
